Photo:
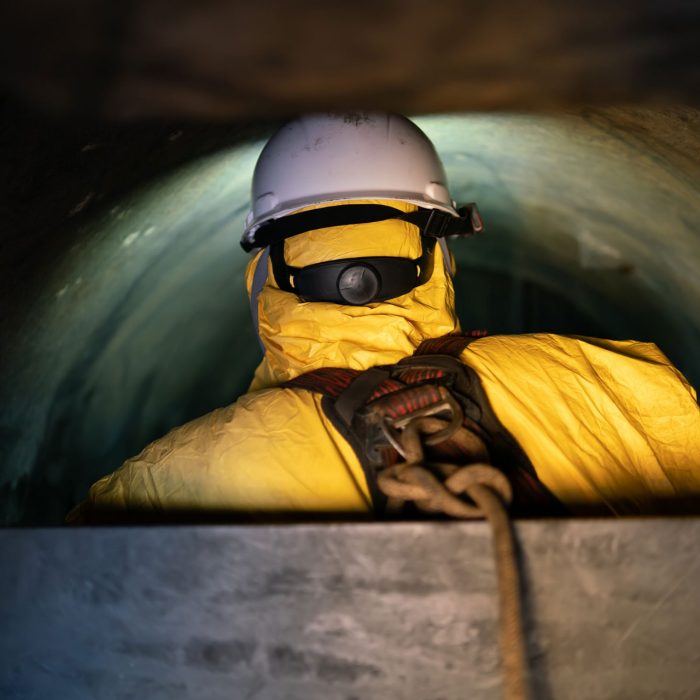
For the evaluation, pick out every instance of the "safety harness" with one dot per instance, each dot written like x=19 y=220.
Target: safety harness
x=372 y=409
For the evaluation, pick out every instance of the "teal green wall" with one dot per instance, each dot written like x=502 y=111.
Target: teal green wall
x=143 y=322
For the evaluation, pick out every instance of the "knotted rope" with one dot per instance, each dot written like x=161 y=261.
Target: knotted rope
x=490 y=492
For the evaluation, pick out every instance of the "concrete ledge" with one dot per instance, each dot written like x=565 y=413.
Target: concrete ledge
x=404 y=610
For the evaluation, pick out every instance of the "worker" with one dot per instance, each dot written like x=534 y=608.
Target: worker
x=352 y=297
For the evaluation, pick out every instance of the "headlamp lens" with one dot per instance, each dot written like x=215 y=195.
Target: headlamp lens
x=359 y=284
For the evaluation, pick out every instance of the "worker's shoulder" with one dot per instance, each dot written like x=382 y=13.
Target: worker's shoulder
x=543 y=347
x=555 y=343
x=270 y=450
x=547 y=358
x=252 y=413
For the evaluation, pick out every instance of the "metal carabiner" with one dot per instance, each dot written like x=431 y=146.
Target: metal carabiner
x=394 y=429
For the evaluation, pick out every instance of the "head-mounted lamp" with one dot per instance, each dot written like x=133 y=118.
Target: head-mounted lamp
x=359 y=281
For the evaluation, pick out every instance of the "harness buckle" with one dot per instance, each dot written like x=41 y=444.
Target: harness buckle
x=393 y=428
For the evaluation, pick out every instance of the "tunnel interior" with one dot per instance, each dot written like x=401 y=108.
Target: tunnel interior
x=129 y=315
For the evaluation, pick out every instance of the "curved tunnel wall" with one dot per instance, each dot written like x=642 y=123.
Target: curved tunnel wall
x=592 y=228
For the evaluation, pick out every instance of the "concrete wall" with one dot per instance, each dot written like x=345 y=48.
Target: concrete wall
x=402 y=610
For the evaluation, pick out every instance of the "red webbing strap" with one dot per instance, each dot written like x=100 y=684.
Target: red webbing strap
x=329 y=381
x=452 y=344
x=333 y=381
x=412 y=399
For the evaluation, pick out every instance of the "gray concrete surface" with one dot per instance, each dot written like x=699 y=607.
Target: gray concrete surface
x=394 y=611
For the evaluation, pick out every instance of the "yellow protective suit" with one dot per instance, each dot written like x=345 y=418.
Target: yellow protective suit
x=608 y=426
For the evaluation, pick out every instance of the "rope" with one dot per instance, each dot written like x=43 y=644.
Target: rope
x=489 y=490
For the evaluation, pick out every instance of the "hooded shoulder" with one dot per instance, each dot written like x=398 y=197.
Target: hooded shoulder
x=272 y=451
x=603 y=421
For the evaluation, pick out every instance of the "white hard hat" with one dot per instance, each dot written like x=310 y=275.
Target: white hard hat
x=333 y=157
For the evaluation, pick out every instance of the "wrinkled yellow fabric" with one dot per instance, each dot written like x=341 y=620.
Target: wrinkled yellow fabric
x=606 y=424
x=271 y=451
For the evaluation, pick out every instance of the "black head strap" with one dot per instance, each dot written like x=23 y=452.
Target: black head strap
x=356 y=281
x=433 y=223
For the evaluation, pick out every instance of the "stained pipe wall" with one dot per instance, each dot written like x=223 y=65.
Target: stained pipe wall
x=125 y=310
